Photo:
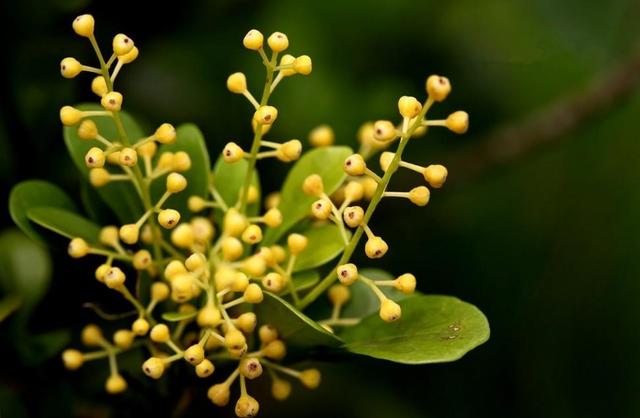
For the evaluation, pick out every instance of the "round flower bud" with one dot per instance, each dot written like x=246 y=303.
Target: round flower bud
x=87 y=130
x=159 y=333
x=168 y=218
x=375 y=247
x=390 y=311
x=289 y=151
x=267 y=333
x=99 y=86
x=252 y=235
x=321 y=209
x=153 y=367
x=231 y=248
x=165 y=134
x=219 y=394
x=113 y=157
x=183 y=236
x=173 y=269
x=234 y=339
x=279 y=253
x=338 y=294
x=129 y=233
x=435 y=175
x=91 y=336
x=438 y=87
x=224 y=278
x=112 y=101
x=234 y=223
x=142 y=260
x=310 y=378
x=273 y=282
x=313 y=185
x=195 y=261
x=115 y=384
x=232 y=153
x=280 y=389
x=303 y=65
x=353 y=191
x=176 y=183
x=370 y=186
x=272 y=218
x=278 y=42
x=159 y=291
x=78 y=248
x=109 y=236
x=114 y=278
x=353 y=216
x=122 y=44
x=123 y=338
x=202 y=228
x=98 y=177
x=70 y=67
x=128 y=157
x=247 y=406
x=297 y=243
x=419 y=195
x=83 y=25
x=385 y=160
x=166 y=160
x=181 y=161
x=253 y=294
x=250 y=368
x=148 y=150
x=70 y=116
x=347 y=273
x=322 y=136
x=209 y=316
x=266 y=115
x=384 y=131
x=287 y=60
x=354 y=165
x=130 y=56
x=182 y=288
x=237 y=83
x=409 y=106
x=194 y=354
x=101 y=271
x=366 y=136
x=247 y=322
x=458 y=122
x=140 y=326
x=254 y=266
x=275 y=350
x=196 y=203
x=205 y=368
x=405 y=283
x=253 y=40
x=240 y=283
x=72 y=359
x=252 y=195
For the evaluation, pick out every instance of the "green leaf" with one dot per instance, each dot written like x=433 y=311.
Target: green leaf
x=303 y=280
x=9 y=305
x=25 y=268
x=325 y=243
x=298 y=331
x=63 y=222
x=433 y=329
x=35 y=193
x=363 y=301
x=94 y=207
x=190 y=140
x=120 y=196
x=294 y=204
x=178 y=316
x=228 y=179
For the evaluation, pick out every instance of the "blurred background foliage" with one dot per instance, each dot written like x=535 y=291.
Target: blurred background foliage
x=544 y=241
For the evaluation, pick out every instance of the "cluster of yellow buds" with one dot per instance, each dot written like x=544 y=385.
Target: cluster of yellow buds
x=209 y=268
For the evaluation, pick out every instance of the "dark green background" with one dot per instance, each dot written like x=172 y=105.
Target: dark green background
x=546 y=243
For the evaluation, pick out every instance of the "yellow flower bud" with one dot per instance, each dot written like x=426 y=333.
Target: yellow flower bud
x=165 y=134
x=142 y=260
x=234 y=339
x=254 y=266
x=70 y=67
x=112 y=101
x=384 y=130
x=272 y=200
x=406 y=283
x=115 y=384
x=354 y=165
x=205 y=368
x=94 y=158
x=168 y=218
x=279 y=253
x=231 y=248
x=101 y=271
x=114 y=278
x=122 y=44
x=99 y=86
x=130 y=56
x=266 y=115
x=310 y=378
x=385 y=160
x=338 y=294
x=353 y=216
x=148 y=150
x=181 y=161
x=253 y=293
x=287 y=60
x=70 y=116
x=303 y=65
x=209 y=316
x=409 y=106
x=91 y=335
x=267 y=333
x=275 y=350
x=250 y=368
x=87 y=130
x=123 y=338
x=196 y=203
x=347 y=273
x=366 y=136
x=354 y=191
x=128 y=157
x=419 y=195
x=194 y=354
x=376 y=247
x=72 y=359
x=280 y=389
x=153 y=367
x=232 y=153
x=159 y=291
x=273 y=282
x=237 y=83
x=458 y=122
x=140 y=326
x=321 y=209
x=173 y=269
x=234 y=223
x=219 y=394
x=253 y=40
x=390 y=311
x=435 y=175
x=247 y=406
x=240 y=283
x=182 y=236
x=252 y=235
x=182 y=287
x=78 y=248
x=159 y=333
x=129 y=233
x=438 y=87
x=83 y=25
x=176 y=183
x=297 y=243
x=278 y=42
x=98 y=177
x=313 y=185
x=203 y=230
x=322 y=136
x=289 y=151
x=273 y=217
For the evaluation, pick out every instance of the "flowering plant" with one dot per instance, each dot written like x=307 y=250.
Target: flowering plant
x=218 y=280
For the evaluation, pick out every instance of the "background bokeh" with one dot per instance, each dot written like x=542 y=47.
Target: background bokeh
x=543 y=238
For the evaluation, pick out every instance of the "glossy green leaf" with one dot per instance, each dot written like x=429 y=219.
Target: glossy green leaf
x=325 y=243
x=25 y=268
x=65 y=223
x=35 y=193
x=8 y=305
x=299 y=331
x=228 y=179
x=178 y=316
x=190 y=140
x=303 y=280
x=433 y=329
x=120 y=196
x=294 y=204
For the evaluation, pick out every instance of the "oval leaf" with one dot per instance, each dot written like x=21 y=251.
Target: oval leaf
x=178 y=316
x=190 y=140
x=228 y=179
x=325 y=243
x=433 y=329
x=120 y=196
x=65 y=223
x=9 y=305
x=294 y=204
x=295 y=328
x=35 y=193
